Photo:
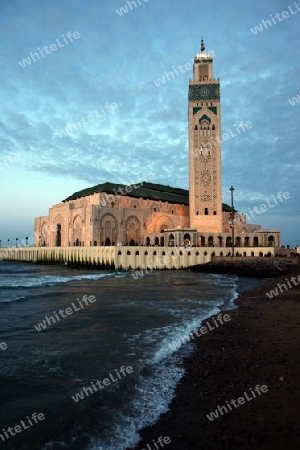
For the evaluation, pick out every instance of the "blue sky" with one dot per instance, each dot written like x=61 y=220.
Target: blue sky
x=116 y=60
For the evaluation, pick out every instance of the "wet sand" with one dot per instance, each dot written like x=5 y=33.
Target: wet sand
x=260 y=345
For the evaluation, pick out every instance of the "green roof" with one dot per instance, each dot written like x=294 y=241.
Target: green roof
x=145 y=190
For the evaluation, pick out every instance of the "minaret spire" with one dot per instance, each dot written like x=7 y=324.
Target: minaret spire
x=202 y=44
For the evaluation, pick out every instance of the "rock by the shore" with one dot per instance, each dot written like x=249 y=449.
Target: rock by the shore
x=252 y=267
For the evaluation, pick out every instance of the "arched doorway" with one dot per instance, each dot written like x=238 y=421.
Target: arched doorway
x=210 y=241
x=132 y=230
x=220 y=241
x=255 y=241
x=77 y=230
x=148 y=241
x=247 y=241
x=58 y=232
x=228 y=241
x=162 y=241
x=156 y=241
x=108 y=229
x=58 y=235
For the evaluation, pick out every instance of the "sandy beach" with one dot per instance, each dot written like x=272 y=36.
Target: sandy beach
x=255 y=357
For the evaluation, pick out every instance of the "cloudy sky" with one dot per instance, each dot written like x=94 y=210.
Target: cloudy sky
x=113 y=60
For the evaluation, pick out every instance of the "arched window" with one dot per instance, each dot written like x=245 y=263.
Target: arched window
x=206 y=212
x=171 y=240
x=271 y=241
x=228 y=242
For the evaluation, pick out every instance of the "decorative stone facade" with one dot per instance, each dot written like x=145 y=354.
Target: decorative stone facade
x=205 y=174
x=124 y=220
x=155 y=215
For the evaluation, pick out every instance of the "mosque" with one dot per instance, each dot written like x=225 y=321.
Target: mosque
x=149 y=214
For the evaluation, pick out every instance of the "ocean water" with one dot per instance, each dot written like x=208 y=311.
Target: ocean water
x=113 y=321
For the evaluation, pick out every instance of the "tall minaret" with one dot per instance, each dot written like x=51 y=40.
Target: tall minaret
x=205 y=181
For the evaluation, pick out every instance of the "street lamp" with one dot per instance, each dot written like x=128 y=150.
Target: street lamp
x=26 y=239
x=7 y=242
x=232 y=219
x=17 y=241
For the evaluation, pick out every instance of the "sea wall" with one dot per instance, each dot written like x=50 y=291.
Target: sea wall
x=126 y=257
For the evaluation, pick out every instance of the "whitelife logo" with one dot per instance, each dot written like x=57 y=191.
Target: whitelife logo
x=124 y=9
x=294 y=100
x=65 y=312
x=269 y=23
x=161 y=441
x=53 y=47
x=238 y=402
x=71 y=127
x=86 y=391
x=274 y=292
x=204 y=329
x=24 y=425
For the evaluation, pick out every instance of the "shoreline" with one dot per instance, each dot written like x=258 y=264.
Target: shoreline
x=259 y=346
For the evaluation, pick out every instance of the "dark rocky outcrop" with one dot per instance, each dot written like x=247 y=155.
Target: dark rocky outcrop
x=252 y=267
